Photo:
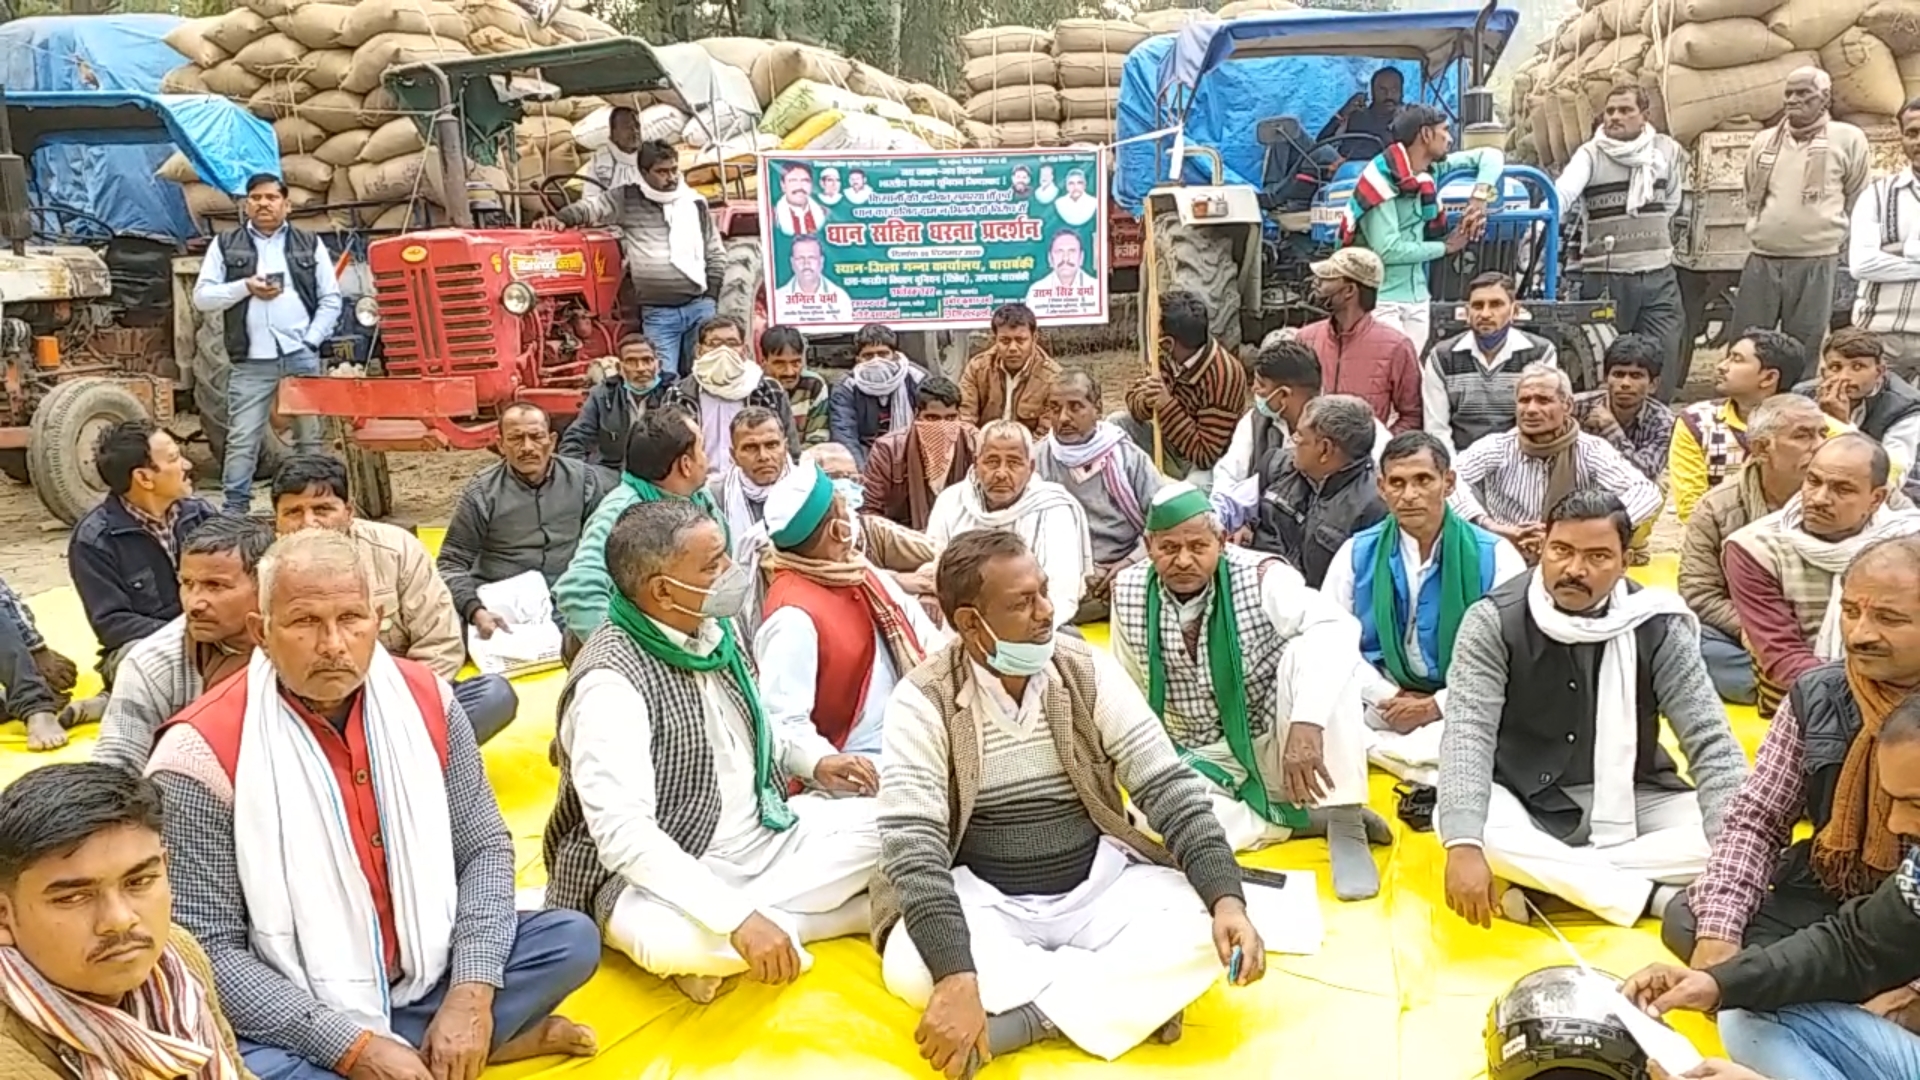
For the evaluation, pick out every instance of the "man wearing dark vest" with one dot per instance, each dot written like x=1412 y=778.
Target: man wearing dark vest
x=1467 y=382
x=837 y=634
x=274 y=287
x=1816 y=764
x=1551 y=772
x=1854 y=387
x=1321 y=489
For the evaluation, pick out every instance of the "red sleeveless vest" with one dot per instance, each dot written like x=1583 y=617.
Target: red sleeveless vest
x=846 y=651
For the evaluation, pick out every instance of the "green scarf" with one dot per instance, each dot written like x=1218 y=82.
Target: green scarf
x=775 y=814
x=647 y=491
x=1230 y=691
x=1460 y=586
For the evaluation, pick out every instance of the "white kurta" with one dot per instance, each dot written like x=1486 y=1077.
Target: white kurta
x=1415 y=755
x=677 y=911
x=1056 y=535
x=1320 y=638
x=787 y=649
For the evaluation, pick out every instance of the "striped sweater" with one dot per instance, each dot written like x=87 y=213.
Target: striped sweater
x=1208 y=397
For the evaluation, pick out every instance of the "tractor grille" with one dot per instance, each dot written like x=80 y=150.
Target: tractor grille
x=436 y=319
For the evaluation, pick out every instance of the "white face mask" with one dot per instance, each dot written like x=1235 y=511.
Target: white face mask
x=726 y=599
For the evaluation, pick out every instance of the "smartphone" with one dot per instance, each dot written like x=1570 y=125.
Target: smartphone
x=277 y=279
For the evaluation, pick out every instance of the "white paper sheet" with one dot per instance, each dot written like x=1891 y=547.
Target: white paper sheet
x=531 y=641
x=1288 y=919
x=1668 y=1048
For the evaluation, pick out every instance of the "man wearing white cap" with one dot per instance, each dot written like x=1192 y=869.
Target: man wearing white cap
x=1245 y=666
x=673 y=828
x=838 y=633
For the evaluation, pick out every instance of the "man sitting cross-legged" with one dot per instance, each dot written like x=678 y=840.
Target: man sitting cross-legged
x=168 y=669
x=1551 y=771
x=1107 y=473
x=1014 y=900
x=839 y=633
x=339 y=853
x=1409 y=580
x=96 y=982
x=36 y=683
x=1238 y=658
x=759 y=447
x=673 y=828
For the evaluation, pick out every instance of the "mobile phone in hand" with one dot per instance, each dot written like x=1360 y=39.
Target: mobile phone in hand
x=277 y=279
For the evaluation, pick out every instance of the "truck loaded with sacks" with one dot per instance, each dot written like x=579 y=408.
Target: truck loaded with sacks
x=1714 y=71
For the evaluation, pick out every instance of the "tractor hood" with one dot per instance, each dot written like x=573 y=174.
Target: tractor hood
x=53 y=273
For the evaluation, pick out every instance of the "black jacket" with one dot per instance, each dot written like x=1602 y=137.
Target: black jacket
x=127 y=582
x=599 y=433
x=1871 y=946
x=1306 y=525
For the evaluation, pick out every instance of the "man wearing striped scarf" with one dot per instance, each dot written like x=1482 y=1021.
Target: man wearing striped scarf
x=85 y=919
x=1108 y=472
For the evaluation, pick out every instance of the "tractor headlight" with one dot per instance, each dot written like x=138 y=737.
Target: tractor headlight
x=366 y=312
x=517 y=298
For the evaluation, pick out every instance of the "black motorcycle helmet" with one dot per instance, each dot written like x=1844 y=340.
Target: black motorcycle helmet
x=1553 y=1025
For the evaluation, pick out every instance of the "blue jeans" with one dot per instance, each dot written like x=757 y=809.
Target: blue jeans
x=674 y=330
x=489 y=702
x=1729 y=665
x=250 y=390
x=554 y=954
x=1824 y=1041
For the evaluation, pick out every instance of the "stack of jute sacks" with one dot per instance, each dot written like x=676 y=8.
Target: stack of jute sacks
x=807 y=94
x=1712 y=65
x=1048 y=87
x=313 y=68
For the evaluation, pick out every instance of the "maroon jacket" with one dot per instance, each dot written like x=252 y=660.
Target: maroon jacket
x=1373 y=362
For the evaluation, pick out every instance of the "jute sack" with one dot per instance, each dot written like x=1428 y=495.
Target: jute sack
x=1700 y=101
x=1088 y=103
x=741 y=52
x=204 y=201
x=505 y=16
x=1896 y=22
x=874 y=83
x=543 y=135
x=177 y=169
x=933 y=101
x=333 y=111
x=1239 y=8
x=271 y=9
x=184 y=80
x=189 y=39
x=317 y=26
x=428 y=18
x=298 y=135
x=398 y=179
x=1091 y=69
x=1168 y=20
x=1038 y=133
x=278 y=98
x=1099 y=132
x=575 y=25
x=1679 y=12
x=270 y=55
x=1575 y=108
x=343 y=149
x=390 y=140
x=373 y=59
x=1015 y=103
x=1909 y=67
x=325 y=69
x=1810 y=24
x=1540 y=112
x=1865 y=77
x=1097 y=35
x=1008 y=69
x=994 y=40
x=376 y=108
x=304 y=170
x=1581 y=31
x=490 y=41
x=235 y=30
x=784 y=65
x=1625 y=16
x=230 y=80
x=985 y=136
x=1621 y=55
x=1869 y=123
x=1724 y=43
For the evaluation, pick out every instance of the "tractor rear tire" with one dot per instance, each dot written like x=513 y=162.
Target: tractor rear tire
x=743 y=287
x=1198 y=259
x=369 y=480
x=1580 y=349
x=60 y=444
x=210 y=370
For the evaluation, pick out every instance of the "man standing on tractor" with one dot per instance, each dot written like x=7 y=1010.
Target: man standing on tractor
x=1627 y=181
x=275 y=289
x=617 y=164
x=670 y=246
x=1395 y=211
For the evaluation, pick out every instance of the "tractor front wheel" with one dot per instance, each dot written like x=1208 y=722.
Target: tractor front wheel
x=60 y=444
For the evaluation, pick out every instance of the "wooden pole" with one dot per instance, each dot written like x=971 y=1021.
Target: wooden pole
x=1150 y=319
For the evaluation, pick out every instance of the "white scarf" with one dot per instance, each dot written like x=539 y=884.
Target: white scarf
x=312 y=913
x=727 y=375
x=1833 y=557
x=1106 y=438
x=887 y=378
x=1040 y=497
x=1638 y=155
x=739 y=495
x=686 y=243
x=1616 y=741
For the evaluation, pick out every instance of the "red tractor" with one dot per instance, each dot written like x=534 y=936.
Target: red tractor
x=483 y=313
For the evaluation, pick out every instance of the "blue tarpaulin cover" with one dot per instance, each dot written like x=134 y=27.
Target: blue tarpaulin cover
x=118 y=61
x=1230 y=96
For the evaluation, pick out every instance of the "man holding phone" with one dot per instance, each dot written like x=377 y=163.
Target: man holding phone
x=275 y=288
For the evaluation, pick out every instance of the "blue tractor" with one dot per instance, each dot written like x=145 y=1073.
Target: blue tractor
x=1238 y=196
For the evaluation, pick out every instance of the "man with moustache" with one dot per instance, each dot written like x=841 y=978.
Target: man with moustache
x=1111 y=476
x=1468 y=382
x=1359 y=354
x=1883 y=258
x=1552 y=776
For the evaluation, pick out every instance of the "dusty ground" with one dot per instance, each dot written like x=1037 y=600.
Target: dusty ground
x=33 y=553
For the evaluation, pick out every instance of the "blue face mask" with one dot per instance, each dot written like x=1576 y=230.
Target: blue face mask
x=1491 y=343
x=852 y=492
x=1265 y=408
x=1019 y=659
x=643 y=389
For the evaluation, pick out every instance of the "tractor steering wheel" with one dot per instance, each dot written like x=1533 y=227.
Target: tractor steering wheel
x=1379 y=145
x=99 y=235
x=557 y=184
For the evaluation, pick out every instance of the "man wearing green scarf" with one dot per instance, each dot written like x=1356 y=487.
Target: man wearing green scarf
x=673 y=827
x=1408 y=580
x=665 y=460
x=1244 y=663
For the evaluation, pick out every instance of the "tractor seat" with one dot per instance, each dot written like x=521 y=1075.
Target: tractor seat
x=1288 y=179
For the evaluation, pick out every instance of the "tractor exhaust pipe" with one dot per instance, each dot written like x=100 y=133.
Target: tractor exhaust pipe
x=453 y=152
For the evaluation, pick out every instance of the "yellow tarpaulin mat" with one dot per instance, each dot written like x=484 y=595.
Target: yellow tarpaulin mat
x=1399 y=992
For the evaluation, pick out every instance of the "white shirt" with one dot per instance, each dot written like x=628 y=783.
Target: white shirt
x=1236 y=489
x=1338 y=587
x=858 y=196
x=607 y=732
x=793 y=220
x=1497 y=482
x=830 y=304
x=787 y=647
x=614 y=167
x=281 y=325
x=1076 y=211
x=1436 y=407
x=1056 y=536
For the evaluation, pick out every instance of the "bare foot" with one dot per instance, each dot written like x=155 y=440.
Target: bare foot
x=554 y=1035
x=44 y=732
x=1171 y=1031
x=701 y=989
